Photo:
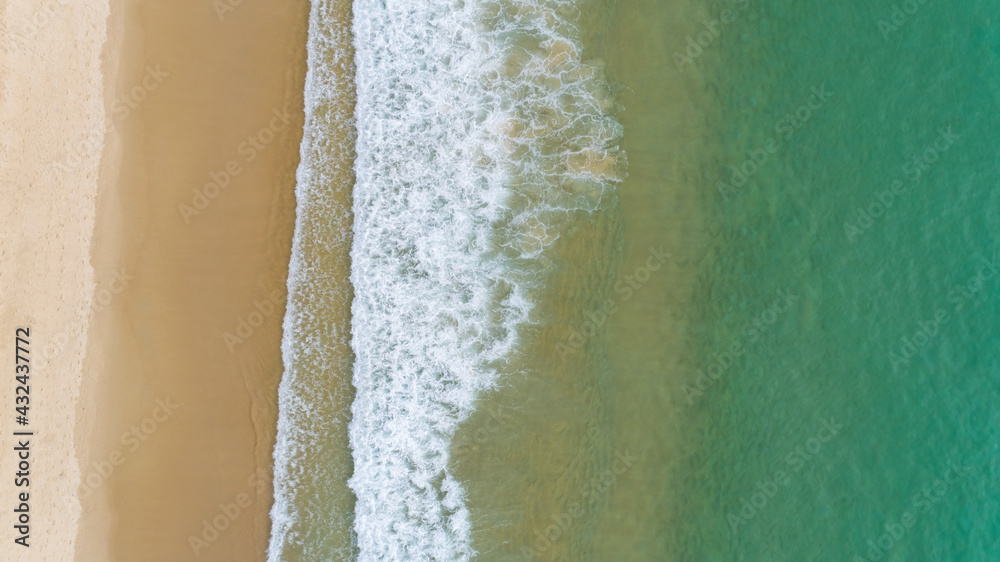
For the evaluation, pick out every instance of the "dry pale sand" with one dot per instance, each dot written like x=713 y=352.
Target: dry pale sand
x=193 y=231
x=52 y=115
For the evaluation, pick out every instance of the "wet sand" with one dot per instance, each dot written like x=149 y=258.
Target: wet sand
x=195 y=218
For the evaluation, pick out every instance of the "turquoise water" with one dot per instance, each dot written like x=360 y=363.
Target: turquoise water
x=879 y=213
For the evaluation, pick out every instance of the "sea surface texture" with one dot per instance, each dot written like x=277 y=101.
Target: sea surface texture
x=858 y=267
x=771 y=335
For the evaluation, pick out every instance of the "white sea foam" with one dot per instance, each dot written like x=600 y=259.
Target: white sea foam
x=481 y=134
x=312 y=515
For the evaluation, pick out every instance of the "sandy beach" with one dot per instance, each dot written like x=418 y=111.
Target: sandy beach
x=148 y=210
x=195 y=218
x=53 y=115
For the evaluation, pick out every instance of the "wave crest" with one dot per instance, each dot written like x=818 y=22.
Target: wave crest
x=481 y=132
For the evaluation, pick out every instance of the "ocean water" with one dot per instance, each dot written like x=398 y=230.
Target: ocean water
x=768 y=333
x=857 y=268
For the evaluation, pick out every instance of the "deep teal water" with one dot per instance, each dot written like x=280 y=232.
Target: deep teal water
x=890 y=331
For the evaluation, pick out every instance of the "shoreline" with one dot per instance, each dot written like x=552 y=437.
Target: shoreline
x=96 y=520
x=191 y=242
x=189 y=254
x=312 y=456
